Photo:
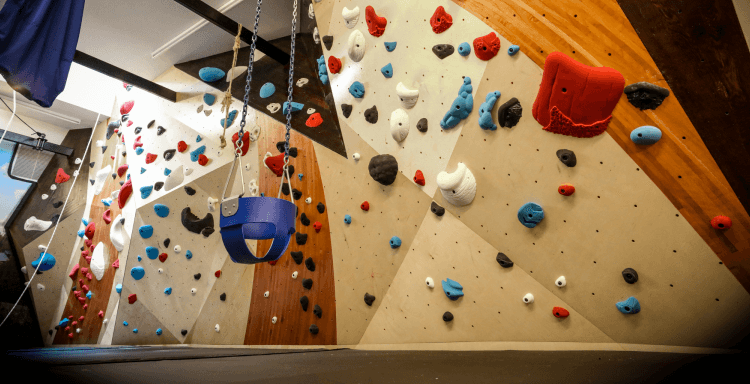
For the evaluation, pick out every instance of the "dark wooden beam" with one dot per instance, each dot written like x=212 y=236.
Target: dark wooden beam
x=121 y=74
x=220 y=20
x=32 y=142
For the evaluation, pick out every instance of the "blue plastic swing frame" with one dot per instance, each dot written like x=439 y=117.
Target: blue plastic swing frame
x=258 y=218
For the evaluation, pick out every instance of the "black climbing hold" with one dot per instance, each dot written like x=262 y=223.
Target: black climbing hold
x=301 y=238
x=190 y=191
x=158 y=185
x=369 y=299
x=509 y=113
x=151 y=124
x=285 y=189
x=346 y=110
x=111 y=128
x=122 y=183
x=447 y=316
x=291 y=167
x=307 y=283
x=567 y=157
x=119 y=133
x=124 y=153
x=645 y=95
x=328 y=41
x=223 y=297
x=422 y=125
x=169 y=154
x=314 y=329
x=383 y=169
x=138 y=130
x=197 y=276
x=160 y=130
x=50 y=332
x=297 y=257
x=321 y=207
x=371 y=114
x=91 y=164
x=304 y=220
x=125 y=117
x=318 y=311
x=193 y=224
x=82 y=248
x=114 y=176
x=436 y=209
x=630 y=275
x=296 y=194
x=310 y=264
x=57 y=204
x=504 y=260
x=206 y=232
x=91 y=181
x=104 y=148
x=304 y=301
x=166 y=242
x=280 y=146
x=329 y=100
x=55 y=218
x=292 y=153
x=122 y=221
x=443 y=50
x=184 y=332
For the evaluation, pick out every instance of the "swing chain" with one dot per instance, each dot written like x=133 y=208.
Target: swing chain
x=291 y=88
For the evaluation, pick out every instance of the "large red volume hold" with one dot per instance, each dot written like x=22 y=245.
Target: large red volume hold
x=61 y=176
x=375 y=24
x=721 y=222
x=584 y=96
x=125 y=191
x=334 y=64
x=245 y=142
x=560 y=312
x=126 y=107
x=486 y=47
x=276 y=164
x=441 y=20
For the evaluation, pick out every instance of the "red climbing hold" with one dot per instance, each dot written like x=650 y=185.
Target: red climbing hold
x=122 y=169
x=150 y=158
x=129 y=123
x=440 y=20
x=71 y=334
x=163 y=257
x=721 y=222
x=107 y=216
x=245 y=141
x=419 y=176
x=486 y=47
x=85 y=307
x=559 y=123
x=88 y=244
x=85 y=288
x=80 y=319
x=181 y=146
x=314 y=120
x=61 y=176
x=90 y=229
x=132 y=298
x=77 y=293
x=112 y=157
x=334 y=64
x=375 y=24
x=88 y=260
x=566 y=189
x=560 y=312
x=84 y=270
x=126 y=107
x=137 y=143
x=116 y=264
x=125 y=191
x=272 y=262
x=317 y=225
x=202 y=159
x=365 y=206
x=217 y=273
x=276 y=164
x=74 y=272
x=74 y=323
x=82 y=300
x=101 y=314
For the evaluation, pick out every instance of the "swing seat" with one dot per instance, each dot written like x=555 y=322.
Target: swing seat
x=256 y=218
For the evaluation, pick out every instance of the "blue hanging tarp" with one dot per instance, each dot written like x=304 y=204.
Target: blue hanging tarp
x=38 y=40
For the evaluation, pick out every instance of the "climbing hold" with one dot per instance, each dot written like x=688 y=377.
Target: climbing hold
x=267 y=90
x=356 y=46
x=152 y=253
x=137 y=272
x=630 y=275
x=158 y=185
x=561 y=282
x=110 y=131
x=34 y=224
x=126 y=107
x=150 y=158
x=118 y=288
x=485 y=109
x=193 y=290
x=301 y=238
x=371 y=114
x=169 y=154
x=560 y=312
x=566 y=189
x=146 y=231
x=209 y=99
x=430 y=283
x=116 y=264
x=45 y=196
x=346 y=110
x=195 y=154
x=181 y=146
x=461 y=106
x=188 y=254
x=357 y=89
x=328 y=42
x=321 y=208
x=567 y=157
x=369 y=299
x=107 y=216
x=316 y=36
x=197 y=276
x=440 y=20
x=314 y=329
x=383 y=169
x=513 y=49
x=90 y=229
x=643 y=95
x=193 y=224
x=210 y=74
x=447 y=317
x=408 y=97
x=437 y=209
x=132 y=298
x=504 y=260
x=189 y=190
x=44 y=264
x=530 y=214
x=645 y=135
x=294 y=274
x=317 y=226
x=61 y=176
x=245 y=142
x=509 y=113
x=229 y=121
x=629 y=306
x=390 y=46
x=486 y=47
x=314 y=120
x=137 y=143
x=528 y=298
x=365 y=206
x=310 y=264
x=387 y=70
x=419 y=177
x=138 y=151
x=275 y=163
x=347 y=219
x=422 y=125
x=375 y=24
x=160 y=130
x=452 y=289
x=161 y=210
x=351 y=16
x=721 y=222
x=459 y=187
x=318 y=311
x=334 y=64
x=296 y=107
x=322 y=72
x=464 y=49
x=442 y=50
x=184 y=332
x=297 y=257
x=307 y=283
x=174 y=179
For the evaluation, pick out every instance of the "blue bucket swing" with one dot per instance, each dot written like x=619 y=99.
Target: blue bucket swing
x=258 y=218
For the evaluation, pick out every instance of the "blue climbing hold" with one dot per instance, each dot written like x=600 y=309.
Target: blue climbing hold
x=168 y=291
x=138 y=150
x=63 y=323
x=645 y=135
x=211 y=74
x=267 y=90
x=530 y=214
x=146 y=191
x=189 y=254
x=195 y=154
x=118 y=288
x=46 y=264
x=158 y=332
x=167 y=171
x=209 y=99
x=81 y=233
x=387 y=70
x=135 y=330
x=390 y=46
x=485 y=111
x=347 y=219
x=322 y=69
x=143 y=170
x=198 y=139
x=232 y=116
x=299 y=175
x=146 y=231
x=452 y=289
x=137 y=272
x=125 y=323
x=630 y=306
x=464 y=49
x=161 y=210
x=513 y=49
x=262 y=195
x=139 y=258
x=152 y=253
x=107 y=202
x=296 y=107
x=461 y=107
x=89 y=295
x=357 y=90
x=86 y=221
x=395 y=242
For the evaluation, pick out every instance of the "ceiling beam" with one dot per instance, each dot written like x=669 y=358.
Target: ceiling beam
x=34 y=143
x=230 y=26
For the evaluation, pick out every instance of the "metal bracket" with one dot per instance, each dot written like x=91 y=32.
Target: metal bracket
x=229 y=207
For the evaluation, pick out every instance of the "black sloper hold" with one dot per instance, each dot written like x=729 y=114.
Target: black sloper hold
x=92 y=164
x=197 y=276
x=151 y=124
x=124 y=153
x=504 y=260
x=304 y=220
x=138 y=130
x=442 y=50
x=285 y=188
x=369 y=299
x=296 y=193
x=301 y=238
x=57 y=204
x=223 y=297
x=314 y=329
x=122 y=221
x=292 y=153
x=567 y=157
x=630 y=275
x=383 y=169
x=160 y=130
x=50 y=331
x=304 y=301
x=436 y=209
x=447 y=316
x=297 y=257
x=189 y=190
x=206 y=232
x=645 y=95
x=169 y=154
x=321 y=207
x=166 y=242
x=371 y=114
x=82 y=249
x=310 y=264
x=346 y=110
x=184 y=332
x=318 y=311
x=422 y=125
x=280 y=146
x=307 y=283
x=193 y=224
x=91 y=181
x=328 y=41
x=158 y=185
x=291 y=167
x=509 y=113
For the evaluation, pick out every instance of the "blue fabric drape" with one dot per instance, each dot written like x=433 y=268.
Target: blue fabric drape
x=38 y=40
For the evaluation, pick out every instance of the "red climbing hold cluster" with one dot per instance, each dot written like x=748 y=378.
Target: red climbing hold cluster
x=419 y=176
x=125 y=191
x=163 y=257
x=137 y=143
x=245 y=142
x=314 y=120
x=276 y=164
x=107 y=216
x=90 y=229
x=202 y=159
x=721 y=222
x=150 y=158
x=486 y=47
x=375 y=24
x=441 y=20
x=217 y=273
x=132 y=298
x=126 y=107
x=560 y=312
x=566 y=189
x=181 y=146
x=334 y=64
x=317 y=226
x=122 y=169
x=61 y=176
x=365 y=206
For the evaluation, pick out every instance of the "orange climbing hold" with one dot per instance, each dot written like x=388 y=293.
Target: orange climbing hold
x=276 y=164
x=126 y=107
x=245 y=141
x=202 y=160
x=486 y=47
x=721 y=222
x=314 y=120
x=90 y=229
x=125 y=191
x=560 y=312
x=375 y=24
x=150 y=158
x=441 y=20
x=181 y=146
x=334 y=64
x=419 y=178
x=122 y=169
x=61 y=176
x=132 y=298
x=566 y=189
x=365 y=206
x=317 y=225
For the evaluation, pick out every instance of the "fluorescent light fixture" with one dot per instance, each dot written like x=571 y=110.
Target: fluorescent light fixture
x=47 y=112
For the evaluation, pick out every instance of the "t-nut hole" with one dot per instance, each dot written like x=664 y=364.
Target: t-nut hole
x=627 y=309
x=721 y=225
x=640 y=135
x=565 y=90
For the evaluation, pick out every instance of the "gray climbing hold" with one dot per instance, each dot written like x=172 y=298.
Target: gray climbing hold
x=190 y=191
x=318 y=311
x=383 y=169
x=422 y=125
x=297 y=257
x=369 y=299
x=504 y=260
x=509 y=113
x=437 y=209
x=321 y=208
x=151 y=124
x=104 y=149
x=111 y=128
x=307 y=283
x=645 y=95
x=304 y=301
x=447 y=316
x=371 y=115
x=442 y=50
x=328 y=42
x=346 y=110
x=169 y=154
x=193 y=224
x=184 y=332
x=314 y=329
x=567 y=157
x=138 y=130
x=630 y=275
x=301 y=238
x=57 y=204
x=304 y=220
x=310 y=264
x=91 y=164
x=158 y=185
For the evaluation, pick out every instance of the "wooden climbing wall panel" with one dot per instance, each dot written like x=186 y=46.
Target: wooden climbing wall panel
x=292 y=326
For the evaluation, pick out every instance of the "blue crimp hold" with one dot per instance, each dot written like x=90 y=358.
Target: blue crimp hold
x=146 y=231
x=513 y=49
x=118 y=288
x=137 y=272
x=158 y=332
x=209 y=99
x=146 y=191
x=347 y=219
x=267 y=90
x=645 y=135
x=139 y=258
x=485 y=111
x=530 y=214
x=63 y=323
x=452 y=289
x=161 y=210
x=135 y=330
x=81 y=233
x=296 y=107
x=85 y=221
x=299 y=175
x=152 y=253
x=629 y=306
x=107 y=202
x=167 y=171
x=232 y=116
x=461 y=107
x=198 y=139
x=168 y=291
x=89 y=295
x=46 y=264
x=210 y=74
x=395 y=242
x=390 y=46
x=387 y=70
x=322 y=70
x=143 y=170
x=197 y=152
x=357 y=90
x=138 y=150
x=464 y=49
x=125 y=323
x=189 y=254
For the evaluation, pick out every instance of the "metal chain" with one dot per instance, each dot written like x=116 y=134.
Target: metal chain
x=291 y=87
x=238 y=151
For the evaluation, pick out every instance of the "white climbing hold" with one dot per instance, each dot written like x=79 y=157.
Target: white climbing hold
x=316 y=35
x=23 y=269
x=302 y=81
x=528 y=298
x=117 y=234
x=216 y=327
x=99 y=261
x=105 y=321
x=34 y=224
x=212 y=204
x=399 y=125
x=356 y=45
x=273 y=107
x=273 y=320
x=174 y=179
x=266 y=294
x=253 y=186
x=356 y=156
x=99 y=143
x=267 y=155
x=310 y=111
x=78 y=330
x=193 y=291
x=75 y=173
x=160 y=270
x=308 y=200
x=351 y=16
x=247 y=167
x=42 y=248
x=430 y=283
x=100 y=178
x=114 y=194
x=407 y=96
x=40 y=287
x=188 y=171
x=219 y=153
x=235 y=72
x=294 y=274
x=53 y=187
x=459 y=187
x=177 y=248
x=310 y=12
x=78 y=160
x=45 y=196
x=560 y=282
x=254 y=133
